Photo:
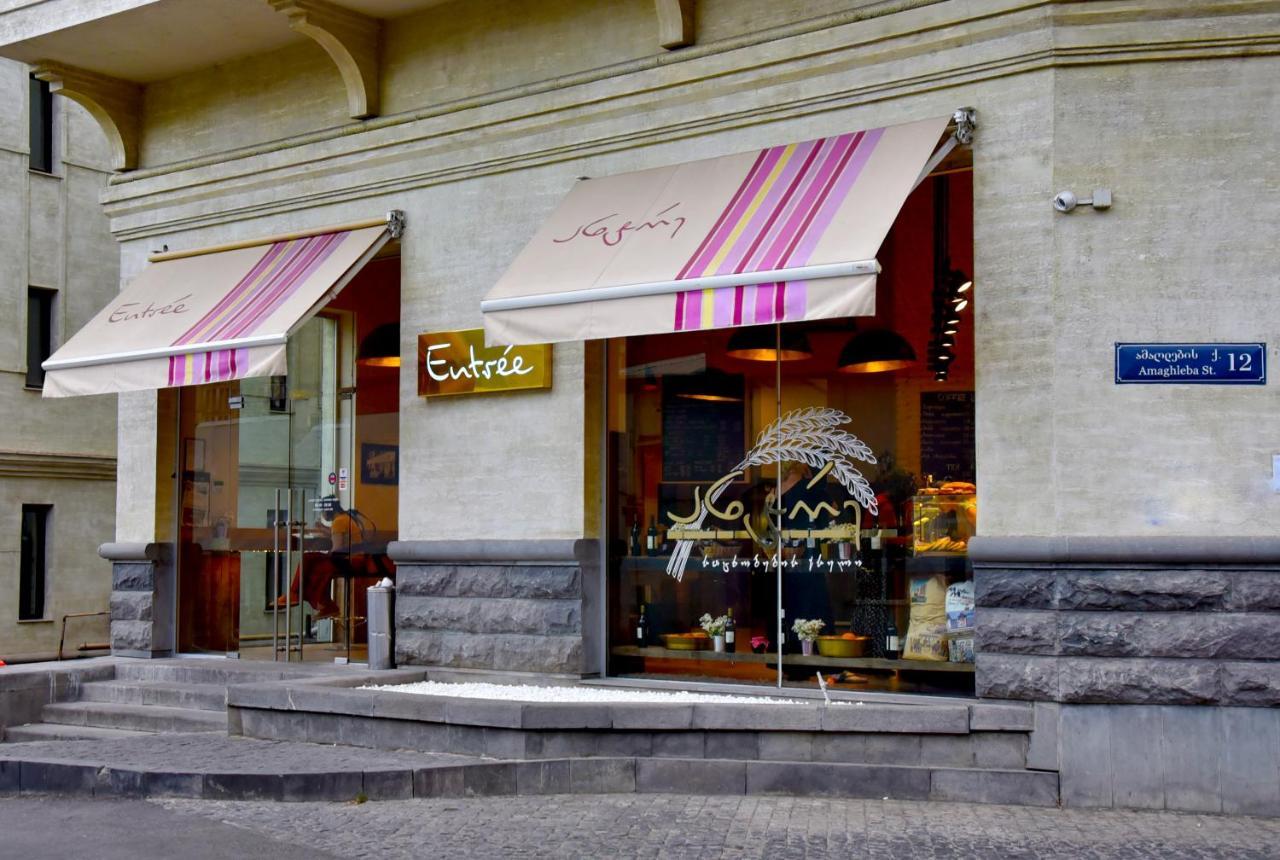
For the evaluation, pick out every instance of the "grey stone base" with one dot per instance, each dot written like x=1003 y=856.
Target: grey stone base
x=142 y=588
x=1128 y=621
x=515 y=606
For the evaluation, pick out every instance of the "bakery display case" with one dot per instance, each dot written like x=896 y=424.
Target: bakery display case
x=943 y=519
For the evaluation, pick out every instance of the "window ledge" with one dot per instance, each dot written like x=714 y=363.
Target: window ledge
x=35 y=620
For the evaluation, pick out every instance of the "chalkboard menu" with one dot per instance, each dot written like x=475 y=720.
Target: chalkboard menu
x=702 y=439
x=946 y=435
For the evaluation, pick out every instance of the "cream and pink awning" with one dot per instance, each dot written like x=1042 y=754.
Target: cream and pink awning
x=211 y=316
x=780 y=234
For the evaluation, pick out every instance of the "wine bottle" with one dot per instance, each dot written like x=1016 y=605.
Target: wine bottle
x=730 y=628
x=651 y=538
x=635 y=537
x=892 y=648
x=642 y=628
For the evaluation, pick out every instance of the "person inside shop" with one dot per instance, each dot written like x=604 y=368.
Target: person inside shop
x=345 y=558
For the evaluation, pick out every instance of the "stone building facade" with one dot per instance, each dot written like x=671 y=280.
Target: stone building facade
x=1128 y=536
x=58 y=454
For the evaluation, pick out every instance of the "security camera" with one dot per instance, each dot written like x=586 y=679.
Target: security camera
x=1064 y=201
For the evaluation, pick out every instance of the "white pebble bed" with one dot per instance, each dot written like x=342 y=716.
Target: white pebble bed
x=578 y=695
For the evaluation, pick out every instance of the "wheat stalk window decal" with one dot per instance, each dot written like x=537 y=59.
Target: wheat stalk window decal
x=811 y=436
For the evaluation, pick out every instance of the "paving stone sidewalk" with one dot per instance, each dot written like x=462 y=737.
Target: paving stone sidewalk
x=776 y=828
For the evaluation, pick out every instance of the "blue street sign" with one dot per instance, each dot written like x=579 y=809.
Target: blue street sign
x=1192 y=363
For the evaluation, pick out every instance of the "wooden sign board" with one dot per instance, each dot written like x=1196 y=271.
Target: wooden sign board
x=458 y=362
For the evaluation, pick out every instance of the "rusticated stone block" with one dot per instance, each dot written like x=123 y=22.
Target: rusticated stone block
x=1253 y=684
x=130 y=635
x=1254 y=590
x=492 y=615
x=510 y=652
x=489 y=581
x=1205 y=635
x=1142 y=590
x=131 y=605
x=1015 y=676
x=1016 y=631
x=1028 y=588
x=1137 y=681
x=133 y=576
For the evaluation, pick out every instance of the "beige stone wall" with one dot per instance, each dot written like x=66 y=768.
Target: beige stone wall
x=1179 y=131
x=58 y=452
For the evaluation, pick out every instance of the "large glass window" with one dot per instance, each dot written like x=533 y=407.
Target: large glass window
x=795 y=499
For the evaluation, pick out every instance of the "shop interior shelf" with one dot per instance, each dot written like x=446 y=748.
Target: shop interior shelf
x=792 y=659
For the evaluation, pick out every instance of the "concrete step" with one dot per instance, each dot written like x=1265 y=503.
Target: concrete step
x=193 y=671
x=204 y=697
x=144 y=718
x=57 y=732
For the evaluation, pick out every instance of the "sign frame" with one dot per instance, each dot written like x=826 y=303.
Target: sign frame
x=1229 y=357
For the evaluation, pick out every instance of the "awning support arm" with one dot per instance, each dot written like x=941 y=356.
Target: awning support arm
x=658 y=288
x=965 y=121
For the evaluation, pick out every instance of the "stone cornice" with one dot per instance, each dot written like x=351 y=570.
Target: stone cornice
x=947 y=45
x=74 y=467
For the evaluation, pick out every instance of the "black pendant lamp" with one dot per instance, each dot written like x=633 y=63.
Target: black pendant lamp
x=875 y=352
x=380 y=347
x=713 y=386
x=760 y=343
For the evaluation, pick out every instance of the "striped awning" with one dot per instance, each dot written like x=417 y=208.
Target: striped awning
x=780 y=234
x=213 y=315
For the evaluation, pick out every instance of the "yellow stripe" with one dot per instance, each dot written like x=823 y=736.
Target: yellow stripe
x=708 y=308
x=249 y=294
x=728 y=244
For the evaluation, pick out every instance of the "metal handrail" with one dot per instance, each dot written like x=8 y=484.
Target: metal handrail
x=63 y=635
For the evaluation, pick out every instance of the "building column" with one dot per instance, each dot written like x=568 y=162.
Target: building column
x=142 y=598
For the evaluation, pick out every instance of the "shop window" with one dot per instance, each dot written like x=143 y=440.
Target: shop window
x=33 y=575
x=41 y=115
x=806 y=481
x=39 y=333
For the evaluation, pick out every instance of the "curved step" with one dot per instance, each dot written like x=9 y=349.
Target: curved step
x=143 y=718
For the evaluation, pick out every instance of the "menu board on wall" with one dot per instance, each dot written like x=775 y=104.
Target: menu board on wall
x=702 y=439
x=946 y=435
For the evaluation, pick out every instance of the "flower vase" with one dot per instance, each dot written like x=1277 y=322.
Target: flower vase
x=806 y=647
x=718 y=641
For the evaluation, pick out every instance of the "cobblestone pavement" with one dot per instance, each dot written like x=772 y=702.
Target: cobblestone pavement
x=211 y=751
x=670 y=826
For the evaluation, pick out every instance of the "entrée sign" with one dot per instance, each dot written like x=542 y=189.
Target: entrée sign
x=458 y=362
x=1192 y=363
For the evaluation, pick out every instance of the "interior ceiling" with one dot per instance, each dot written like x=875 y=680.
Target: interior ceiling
x=168 y=38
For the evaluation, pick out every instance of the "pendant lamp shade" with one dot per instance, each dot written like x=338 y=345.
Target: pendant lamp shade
x=760 y=343
x=380 y=347
x=713 y=386
x=875 y=352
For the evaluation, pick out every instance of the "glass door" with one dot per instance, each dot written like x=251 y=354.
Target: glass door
x=264 y=464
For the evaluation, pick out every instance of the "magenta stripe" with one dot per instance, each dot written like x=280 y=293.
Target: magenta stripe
x=296 y=257
x=173 y=366
x=796 y=222
x=281 y=287
x=724 y=226
x=243 y=284
x=793 y=176
x=679 y=325
x=247 y=292
x=737 y=305
x=724 y=213
x=780 y=302
x=783 y=232
x=814 y=231
x=764 y=303
x=238 y=357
